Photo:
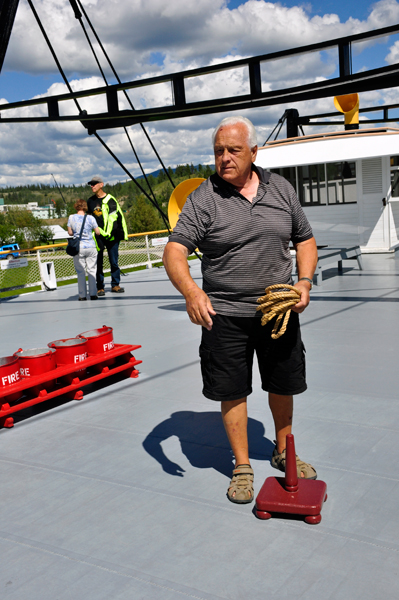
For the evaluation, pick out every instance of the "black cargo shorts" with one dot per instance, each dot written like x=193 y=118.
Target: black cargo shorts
x=227 y=353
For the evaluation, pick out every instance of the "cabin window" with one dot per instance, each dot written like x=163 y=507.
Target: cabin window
x=341 y=177
x=331 y=183
x=394 y=176
x=312 y=185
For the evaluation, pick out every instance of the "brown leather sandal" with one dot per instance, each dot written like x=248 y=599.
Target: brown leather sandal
x=278 y=462
x=241 y=483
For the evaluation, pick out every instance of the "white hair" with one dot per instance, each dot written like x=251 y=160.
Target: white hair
x=252 y=137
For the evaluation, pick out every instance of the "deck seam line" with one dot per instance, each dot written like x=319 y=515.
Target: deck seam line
x=351 y=424
x=350 y=538
x=121 y=484
x=353 y=472
x=110 y=481
x=298 y=416
x=107 y=569
x=217 y=506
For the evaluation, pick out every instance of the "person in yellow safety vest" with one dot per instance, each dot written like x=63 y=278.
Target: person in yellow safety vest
x=111 y=222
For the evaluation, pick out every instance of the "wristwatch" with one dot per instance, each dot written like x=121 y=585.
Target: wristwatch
x=307 y=279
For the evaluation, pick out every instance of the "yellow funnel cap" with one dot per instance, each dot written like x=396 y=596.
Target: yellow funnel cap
x=349 y=105
x=179 y=196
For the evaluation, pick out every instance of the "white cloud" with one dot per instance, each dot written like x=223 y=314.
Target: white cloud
x=150 y=38
x=393 y=56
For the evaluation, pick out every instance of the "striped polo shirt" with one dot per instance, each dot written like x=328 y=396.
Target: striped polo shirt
x=245 y=245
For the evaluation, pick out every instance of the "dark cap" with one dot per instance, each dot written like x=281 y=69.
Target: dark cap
x=95 y=179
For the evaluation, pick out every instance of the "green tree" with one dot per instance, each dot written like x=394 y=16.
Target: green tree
x=8 y=233
x=70 y=208
x=117 y=189
x=151 y=180
x=40 y=235
x=208 y=171
x=143 y=217
x=163 y=195
x=29 y=229
x=180 y=171
x=59 y=207
x=161 y=176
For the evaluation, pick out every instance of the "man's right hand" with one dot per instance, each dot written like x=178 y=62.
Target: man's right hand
x=199 y=308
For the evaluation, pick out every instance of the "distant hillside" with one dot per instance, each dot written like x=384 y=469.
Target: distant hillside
x=138 y=205
x=196 y=169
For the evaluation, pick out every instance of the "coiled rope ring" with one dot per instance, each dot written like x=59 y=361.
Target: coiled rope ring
x=278 y=301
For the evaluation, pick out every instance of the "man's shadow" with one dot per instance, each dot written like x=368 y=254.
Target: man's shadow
x=204 y=442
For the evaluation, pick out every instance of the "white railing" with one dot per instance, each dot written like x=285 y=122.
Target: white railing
x=32 y=268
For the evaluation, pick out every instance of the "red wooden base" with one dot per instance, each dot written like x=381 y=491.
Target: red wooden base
x=295 y=497
x=308 y=500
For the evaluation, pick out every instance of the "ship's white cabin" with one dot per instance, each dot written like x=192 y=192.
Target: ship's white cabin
x=347 y=183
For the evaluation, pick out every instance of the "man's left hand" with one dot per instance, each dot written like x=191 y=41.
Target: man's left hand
x=306 y=260
x=304 y=288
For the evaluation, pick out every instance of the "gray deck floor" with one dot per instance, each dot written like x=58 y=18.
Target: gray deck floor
x=122 y=495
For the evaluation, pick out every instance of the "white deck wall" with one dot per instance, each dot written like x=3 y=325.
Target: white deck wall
x=334 y=225
x=393 y=216
x=368 y=223
x=373 y=185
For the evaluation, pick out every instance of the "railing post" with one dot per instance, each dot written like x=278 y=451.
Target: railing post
x=345 y=59
x=147 y=245
x=179 y=94
x=39 y=262
x=53 y=109
x=255 y=82
x=112 y=102
x=292 y=117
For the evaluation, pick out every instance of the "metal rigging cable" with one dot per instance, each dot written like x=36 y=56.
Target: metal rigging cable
x=53 y=53
x=59 y=189
x=153 y=202
x=78 y=2
x=281 y=123
x=164 y=217
x=78 y=16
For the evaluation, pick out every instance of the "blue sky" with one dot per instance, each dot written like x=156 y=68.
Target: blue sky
x=357 y=9
x=18 y=85
x=157 y=37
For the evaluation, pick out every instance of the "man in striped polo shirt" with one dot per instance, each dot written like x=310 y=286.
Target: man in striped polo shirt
x=243 y=219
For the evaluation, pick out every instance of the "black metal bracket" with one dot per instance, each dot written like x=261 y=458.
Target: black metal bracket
x=346 y=83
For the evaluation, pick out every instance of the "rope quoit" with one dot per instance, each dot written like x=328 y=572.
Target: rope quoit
x=277 y=302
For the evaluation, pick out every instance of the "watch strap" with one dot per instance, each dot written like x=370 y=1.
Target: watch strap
x=307 y=279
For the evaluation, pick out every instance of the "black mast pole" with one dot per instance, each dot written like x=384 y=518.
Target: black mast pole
x=8 y=8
